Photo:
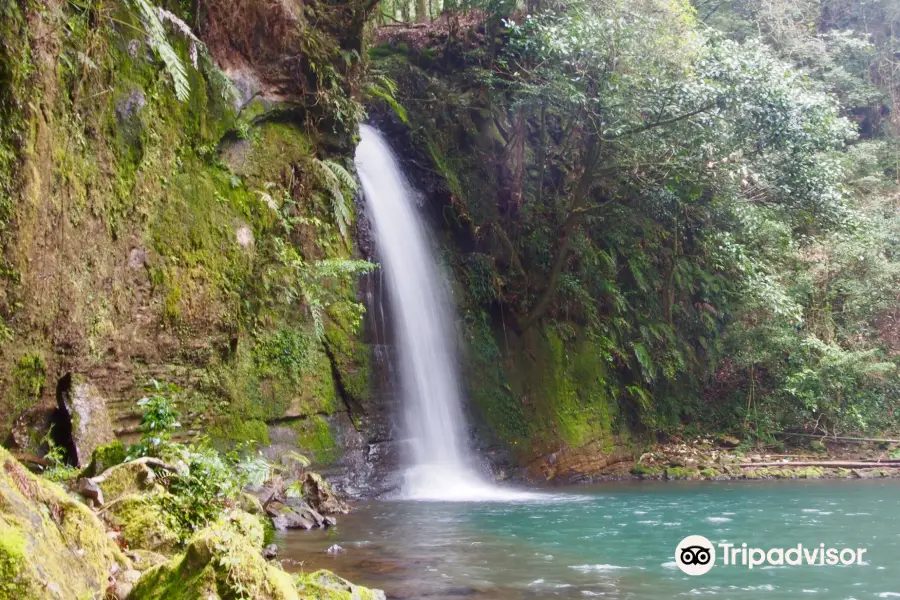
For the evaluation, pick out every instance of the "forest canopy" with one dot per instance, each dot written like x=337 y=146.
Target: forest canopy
x=708 y=190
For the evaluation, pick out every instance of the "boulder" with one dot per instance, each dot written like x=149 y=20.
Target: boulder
x=129 y=478
x=85 y=409
x=321 y=497
x=298 y=516
x=325 y=584
x=728 y=441
x=220 y=563
x=144 y=523
x=105 y=457
x=145 y=559
x=51 y=546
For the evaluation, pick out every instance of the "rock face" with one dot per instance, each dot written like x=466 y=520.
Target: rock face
x=51 y=547
x=85 y=409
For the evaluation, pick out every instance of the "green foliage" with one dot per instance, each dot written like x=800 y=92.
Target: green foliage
x=159 y=420
x=340 y=186
x=697 y=201
x=60 y=470
x=384 y=88
x=152 y=18
x=318 y=285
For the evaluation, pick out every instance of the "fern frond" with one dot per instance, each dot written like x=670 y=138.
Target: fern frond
x=339 y=183
x=385 y=88
x=150 y=18
x=318 y=317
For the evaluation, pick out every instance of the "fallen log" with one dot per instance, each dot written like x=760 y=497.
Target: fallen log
x=842 y=438
x=837 y=464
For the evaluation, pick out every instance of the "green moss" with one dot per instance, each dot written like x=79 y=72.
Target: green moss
x=219 y=562
x=145 y=524
x=681 y=473
x=645 y=471
x=235 y=430
x=275 y=147
x=325 y=585
x=66 y=551
x=489 y=386
x=126 y=479
x=314 y=438
x=709 y=473
x=29 y=376
x=350 y=358
x=13 y=559
x=104 y=457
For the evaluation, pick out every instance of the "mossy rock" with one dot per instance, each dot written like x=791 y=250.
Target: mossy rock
x=127 y=479
x=681 y=473
x=325 y=585
x=219 y=564
x=818 y=446
x=51 y=547
x=144 y=523
x=105 y=457
x=640 y=470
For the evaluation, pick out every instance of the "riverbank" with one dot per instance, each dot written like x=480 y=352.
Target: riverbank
x=725 y=458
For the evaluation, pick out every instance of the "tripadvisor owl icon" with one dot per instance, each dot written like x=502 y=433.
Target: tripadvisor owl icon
x=695 y=555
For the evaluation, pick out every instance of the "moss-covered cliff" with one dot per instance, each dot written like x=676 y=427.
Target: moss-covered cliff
x=192 y=241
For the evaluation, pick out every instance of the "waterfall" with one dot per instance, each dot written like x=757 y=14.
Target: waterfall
x=441 y=466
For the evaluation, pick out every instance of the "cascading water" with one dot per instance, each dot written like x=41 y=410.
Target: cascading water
x=441 y=466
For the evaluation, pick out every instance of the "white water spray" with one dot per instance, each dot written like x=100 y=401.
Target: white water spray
x=441 y=466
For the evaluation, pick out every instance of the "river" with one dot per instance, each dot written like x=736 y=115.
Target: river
x=615 y=541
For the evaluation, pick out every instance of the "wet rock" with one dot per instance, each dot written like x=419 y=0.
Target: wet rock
x=335 y=549
x=320 y=496
x=270 y=552
x=138 y=258
x=286 y=517
x=85 y=409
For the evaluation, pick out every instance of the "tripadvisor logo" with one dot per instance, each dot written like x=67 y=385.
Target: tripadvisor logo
x=696 y=555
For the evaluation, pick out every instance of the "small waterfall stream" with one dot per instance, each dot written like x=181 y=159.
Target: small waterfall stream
x=440 y=465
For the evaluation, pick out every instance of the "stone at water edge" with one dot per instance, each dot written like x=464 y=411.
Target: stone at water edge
x=86 y=410
x=325 y=584
x=320 y=496
x=335 y=549
x=297 y=516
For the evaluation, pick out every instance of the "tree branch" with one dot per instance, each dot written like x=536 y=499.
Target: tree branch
x=663 y=123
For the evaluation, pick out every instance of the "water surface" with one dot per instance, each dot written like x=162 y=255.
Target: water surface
x=615 y=541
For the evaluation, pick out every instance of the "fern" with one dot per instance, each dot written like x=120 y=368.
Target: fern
x=385 y=88
x=152 y=19
x=338 y=183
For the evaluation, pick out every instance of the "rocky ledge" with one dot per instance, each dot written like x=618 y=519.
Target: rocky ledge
x=127 y=545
